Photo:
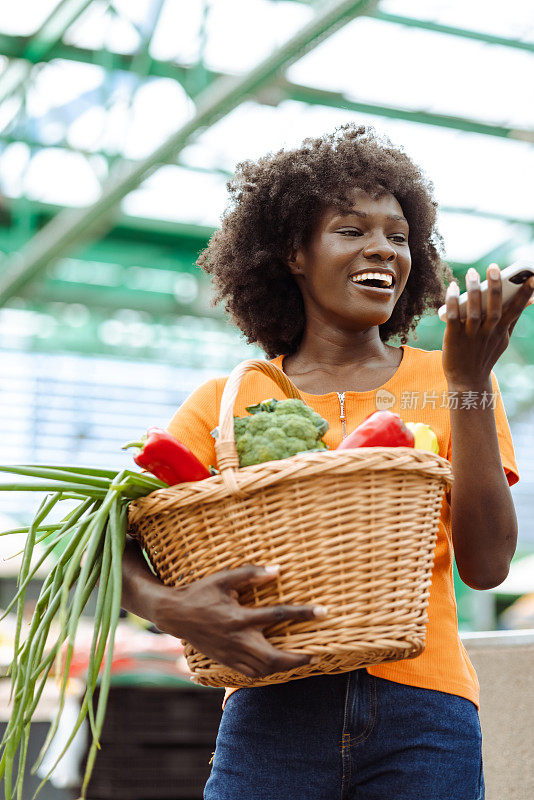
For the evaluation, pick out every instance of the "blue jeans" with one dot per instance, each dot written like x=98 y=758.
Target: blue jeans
x=347 y=737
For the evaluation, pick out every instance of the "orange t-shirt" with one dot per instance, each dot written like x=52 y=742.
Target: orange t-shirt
x=418 y=392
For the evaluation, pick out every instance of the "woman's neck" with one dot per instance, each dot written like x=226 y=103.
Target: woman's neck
x=360 y=362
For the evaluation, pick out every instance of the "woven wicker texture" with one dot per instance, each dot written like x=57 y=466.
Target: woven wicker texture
x=353 y=530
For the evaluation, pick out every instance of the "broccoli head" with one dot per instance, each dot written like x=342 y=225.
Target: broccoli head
x=277 y=429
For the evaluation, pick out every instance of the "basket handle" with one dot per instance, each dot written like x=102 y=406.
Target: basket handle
x=227 y=458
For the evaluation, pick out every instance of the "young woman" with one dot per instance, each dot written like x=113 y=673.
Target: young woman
x=326 y=253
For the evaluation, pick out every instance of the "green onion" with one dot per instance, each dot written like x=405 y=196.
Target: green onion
x=101 y=473
x=117 y=519
x=44 y=508
x=85 y=490
x=93 y=532
x=27 y=528
x=57 y=474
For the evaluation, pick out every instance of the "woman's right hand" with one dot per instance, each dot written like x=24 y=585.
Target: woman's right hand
x=208 y=615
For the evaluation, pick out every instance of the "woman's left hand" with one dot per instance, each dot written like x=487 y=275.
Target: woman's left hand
x=471 y=348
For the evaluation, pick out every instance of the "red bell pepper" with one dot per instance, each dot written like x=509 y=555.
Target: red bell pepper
x=380 y=429
x=167 y=458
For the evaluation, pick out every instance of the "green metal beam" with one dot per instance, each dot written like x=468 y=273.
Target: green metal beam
x=450 y=30
x=125 y=228
x=178 y=256
x=40 y=45
x=311 y=96
x=63 y=233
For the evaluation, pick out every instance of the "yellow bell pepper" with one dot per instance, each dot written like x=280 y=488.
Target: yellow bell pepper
x=425 y=438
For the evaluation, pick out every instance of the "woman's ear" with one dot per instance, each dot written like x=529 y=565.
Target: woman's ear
x=295 y=262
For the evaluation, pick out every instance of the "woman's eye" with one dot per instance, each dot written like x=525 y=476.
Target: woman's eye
x=398 y=237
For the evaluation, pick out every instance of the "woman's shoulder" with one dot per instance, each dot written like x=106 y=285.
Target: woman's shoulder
x=427 y=364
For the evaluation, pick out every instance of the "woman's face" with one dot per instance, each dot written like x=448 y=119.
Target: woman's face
x=370 y=237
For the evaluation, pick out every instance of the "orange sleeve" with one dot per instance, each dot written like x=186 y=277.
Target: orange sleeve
x=506 y=446
x=195 y=419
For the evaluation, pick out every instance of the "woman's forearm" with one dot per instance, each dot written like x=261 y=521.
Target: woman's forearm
x=484 y=524
x=141 y=590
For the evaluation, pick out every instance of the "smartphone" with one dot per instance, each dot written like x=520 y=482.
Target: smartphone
x=512 y=278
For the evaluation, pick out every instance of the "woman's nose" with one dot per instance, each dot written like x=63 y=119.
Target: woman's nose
x=385 y=251
x=380 y=247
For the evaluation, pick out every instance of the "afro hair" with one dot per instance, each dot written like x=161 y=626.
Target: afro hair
x=275 y=203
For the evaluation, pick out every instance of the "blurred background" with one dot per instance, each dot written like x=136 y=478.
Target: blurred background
x=120 y=123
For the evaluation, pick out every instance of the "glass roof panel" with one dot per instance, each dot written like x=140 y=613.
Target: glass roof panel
x=52 y=173
x=175 y=193
x=14 y=161
x=243 y=32
x=176 y=36
x=479 y=15
x=62 y=83
x=239 y=33
x=385 y=63
x=158 y=109
x=137 y=122
x=137 y=11
x=25 y=16
x=100 y=27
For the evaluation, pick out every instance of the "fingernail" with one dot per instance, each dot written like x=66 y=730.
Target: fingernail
x=272 y=569
x=320 y=611
x=453 y=288
x=494 y=271
x=314 y=660
x=472 y=276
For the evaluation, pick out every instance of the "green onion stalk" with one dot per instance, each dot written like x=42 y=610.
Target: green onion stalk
x=90 y=541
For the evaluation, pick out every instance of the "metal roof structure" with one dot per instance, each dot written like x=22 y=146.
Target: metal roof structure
x=121 y=120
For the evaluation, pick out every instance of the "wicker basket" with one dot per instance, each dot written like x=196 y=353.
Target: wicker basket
x=353 y=530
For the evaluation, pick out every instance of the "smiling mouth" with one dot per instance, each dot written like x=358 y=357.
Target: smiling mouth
x=383 y=281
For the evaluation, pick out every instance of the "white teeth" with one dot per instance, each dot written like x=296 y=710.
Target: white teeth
x=382 y=276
